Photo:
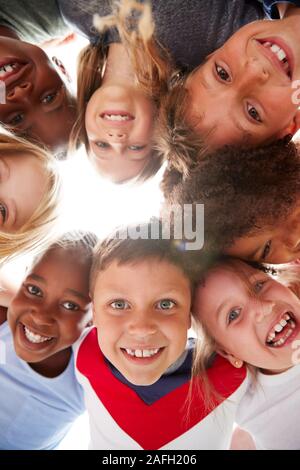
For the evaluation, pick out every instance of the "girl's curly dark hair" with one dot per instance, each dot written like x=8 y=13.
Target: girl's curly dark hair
x=243 y=190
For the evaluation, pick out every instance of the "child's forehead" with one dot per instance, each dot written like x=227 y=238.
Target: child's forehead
x=236 y=272
x=57 y=255
x=147 y=263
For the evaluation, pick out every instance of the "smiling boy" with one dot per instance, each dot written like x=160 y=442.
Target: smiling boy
x=135 y=364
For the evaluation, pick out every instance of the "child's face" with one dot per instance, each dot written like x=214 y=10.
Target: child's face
x=119 y=126
x=18 y=197
x=142 y=314
x=51 y=308
x=37 y=103
x=243 y=317
x=280 y=244
x=248 y=83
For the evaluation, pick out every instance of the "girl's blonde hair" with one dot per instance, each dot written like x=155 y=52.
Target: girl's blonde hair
x=37 y=231
x=151 y=65
x=206 y=345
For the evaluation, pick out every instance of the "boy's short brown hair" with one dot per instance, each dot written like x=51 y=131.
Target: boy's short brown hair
x=119 y=247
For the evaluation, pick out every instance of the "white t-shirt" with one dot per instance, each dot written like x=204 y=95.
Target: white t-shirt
x=270 y=410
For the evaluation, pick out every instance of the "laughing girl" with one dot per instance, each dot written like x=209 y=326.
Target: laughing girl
x=255 y=320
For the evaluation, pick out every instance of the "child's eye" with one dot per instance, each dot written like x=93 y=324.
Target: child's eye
x=70 y=306
x=253 y=113
x=119 y=304
x=258 y=286
x=49 y=98
x=234 y=314
x=222 y=73
x=15 y=120
x=102 y=145
x=165 y=304
x=34 y=290
x=136 y=147
x=266 y=250
x=3 y=212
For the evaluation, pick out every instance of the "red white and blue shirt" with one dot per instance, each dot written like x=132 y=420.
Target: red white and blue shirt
x=121 y=418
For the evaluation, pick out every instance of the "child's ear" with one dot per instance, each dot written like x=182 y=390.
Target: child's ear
x=238 y=363
x=292 y=128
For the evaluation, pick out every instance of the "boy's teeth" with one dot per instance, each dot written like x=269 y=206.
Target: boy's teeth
x=281 y=55
x=275 y=48
x=34 y=338
x=142 y=352
x=116 y=117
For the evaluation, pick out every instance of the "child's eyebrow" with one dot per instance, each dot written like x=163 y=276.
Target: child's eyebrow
x=37 y=278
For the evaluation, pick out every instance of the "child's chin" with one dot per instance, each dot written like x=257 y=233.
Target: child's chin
x=25 y=355
x=142 y=381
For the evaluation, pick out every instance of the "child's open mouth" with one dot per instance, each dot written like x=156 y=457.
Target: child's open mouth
x=12 y=70
x=117 y=117
x=283 y=331
x=142 y=355
x=34 y=339
x=279 y=55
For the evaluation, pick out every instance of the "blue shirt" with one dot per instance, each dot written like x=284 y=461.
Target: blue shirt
x=36 y=412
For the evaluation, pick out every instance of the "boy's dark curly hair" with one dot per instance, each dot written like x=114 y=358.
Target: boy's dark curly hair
x=243 y=190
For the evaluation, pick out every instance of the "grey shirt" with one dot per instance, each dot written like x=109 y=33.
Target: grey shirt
x=189 y=29
x=33 y=20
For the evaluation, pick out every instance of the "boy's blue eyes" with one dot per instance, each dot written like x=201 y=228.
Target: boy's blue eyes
x=119 y=304
x=165 y=304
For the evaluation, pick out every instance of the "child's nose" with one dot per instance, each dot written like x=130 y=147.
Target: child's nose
x=41 y=316
x=19 y=91
x=142 y=326
x=263 y=309
x=117 y=136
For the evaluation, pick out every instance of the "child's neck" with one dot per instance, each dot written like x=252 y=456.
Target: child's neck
x=118 y=70
x=54 y=365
